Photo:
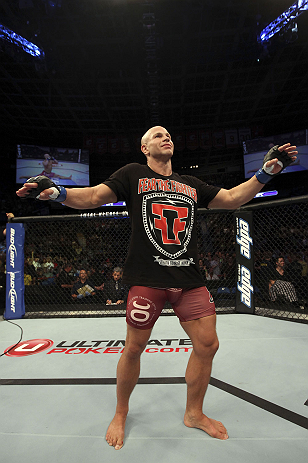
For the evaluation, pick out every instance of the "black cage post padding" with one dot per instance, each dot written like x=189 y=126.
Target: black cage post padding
x=245 y=264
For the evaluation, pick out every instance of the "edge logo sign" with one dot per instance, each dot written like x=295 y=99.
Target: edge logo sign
x=245 y=263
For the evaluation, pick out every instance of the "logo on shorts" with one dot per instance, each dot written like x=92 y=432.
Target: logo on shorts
x=168 y=222
x=24 y=348
x=141 y=310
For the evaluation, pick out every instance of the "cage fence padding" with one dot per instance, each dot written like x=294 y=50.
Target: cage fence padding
x=56 y=250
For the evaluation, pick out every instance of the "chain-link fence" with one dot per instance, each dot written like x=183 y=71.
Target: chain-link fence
x=57 y=253
x=58 y=248
x=281 y=259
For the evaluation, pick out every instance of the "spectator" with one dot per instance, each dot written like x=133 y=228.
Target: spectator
x=48 y=264
x=115 y=291
x=280 y=273
x=265 y=272
x=36 y=263
x=83 y=287
x=66 y=277
x=27 y=274
x=30 y=270
x=214 y=270
x=280 y=288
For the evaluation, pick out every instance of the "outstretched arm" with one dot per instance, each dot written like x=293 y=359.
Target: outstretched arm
x=77 y=198
x=241 y=194
x=237 y=196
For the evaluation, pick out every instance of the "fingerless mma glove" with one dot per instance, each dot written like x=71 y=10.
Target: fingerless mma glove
x=264 y=174
x=43 y=183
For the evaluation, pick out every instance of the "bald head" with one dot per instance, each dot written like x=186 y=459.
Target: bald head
x=156 y=142
x=150 y=132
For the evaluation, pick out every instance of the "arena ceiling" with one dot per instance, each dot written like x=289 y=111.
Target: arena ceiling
x=121 y=66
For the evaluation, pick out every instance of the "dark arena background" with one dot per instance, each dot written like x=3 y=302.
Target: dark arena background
x=81 y=81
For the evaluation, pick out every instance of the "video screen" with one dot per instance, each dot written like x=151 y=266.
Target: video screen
x=255 y=150
x=64 y=166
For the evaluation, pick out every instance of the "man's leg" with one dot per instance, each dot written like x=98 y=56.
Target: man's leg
x=202 y=333
x=128 y=371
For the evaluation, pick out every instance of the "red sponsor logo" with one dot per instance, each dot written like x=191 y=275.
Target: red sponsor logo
x=24 y=348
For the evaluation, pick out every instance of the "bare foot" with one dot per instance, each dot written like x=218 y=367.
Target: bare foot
x=212 y=427
x=115 y=431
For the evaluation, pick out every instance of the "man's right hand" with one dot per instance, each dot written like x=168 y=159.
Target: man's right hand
x=24 y=191
x=43 y=188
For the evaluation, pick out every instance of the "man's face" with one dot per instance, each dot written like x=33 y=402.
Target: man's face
x=83 y=275
x=158 y=143
x=116 y=276
x=280 y=262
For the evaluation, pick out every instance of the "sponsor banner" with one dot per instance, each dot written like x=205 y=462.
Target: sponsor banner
x=105 y=346
x=15 y=303
x=245 y=262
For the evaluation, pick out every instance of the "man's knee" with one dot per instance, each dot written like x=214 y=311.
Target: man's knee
x=207 y=347
x=134 y=350
x=136 y=341
x=214 y=346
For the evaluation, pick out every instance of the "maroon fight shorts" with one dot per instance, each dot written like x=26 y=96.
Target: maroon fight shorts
x=49 y=175
x=144 y=305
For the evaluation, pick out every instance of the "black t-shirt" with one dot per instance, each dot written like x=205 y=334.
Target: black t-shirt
x=163 y=249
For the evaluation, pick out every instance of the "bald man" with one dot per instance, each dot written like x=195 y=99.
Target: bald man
x=162 y=262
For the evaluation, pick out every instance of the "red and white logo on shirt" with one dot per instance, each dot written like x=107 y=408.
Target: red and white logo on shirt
x=168 y=222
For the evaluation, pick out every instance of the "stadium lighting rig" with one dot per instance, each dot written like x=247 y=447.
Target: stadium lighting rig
x=285 y=21
x=20 y=42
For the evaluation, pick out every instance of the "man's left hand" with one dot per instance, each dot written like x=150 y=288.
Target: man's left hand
x=276 y=166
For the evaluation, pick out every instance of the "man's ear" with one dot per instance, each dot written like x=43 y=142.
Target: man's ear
x=144 y=149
